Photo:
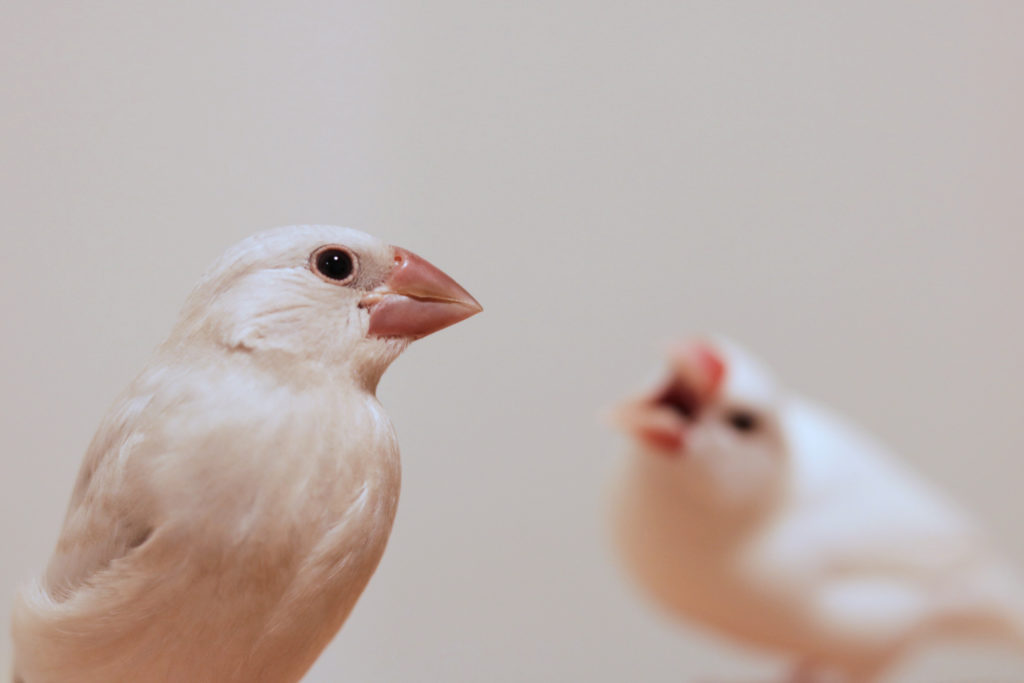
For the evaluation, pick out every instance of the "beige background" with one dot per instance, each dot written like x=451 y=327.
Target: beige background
x=836 y=185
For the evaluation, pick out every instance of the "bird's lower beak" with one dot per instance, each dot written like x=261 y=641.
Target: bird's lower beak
x=650 y=424
x=417 y=299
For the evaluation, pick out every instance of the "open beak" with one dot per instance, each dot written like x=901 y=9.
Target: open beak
x=662 y=417
x=417 y=299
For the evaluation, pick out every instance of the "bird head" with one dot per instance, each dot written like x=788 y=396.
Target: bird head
x=711 y=426
x=320 y=295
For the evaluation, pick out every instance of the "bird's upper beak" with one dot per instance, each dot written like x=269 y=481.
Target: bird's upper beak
x=660 y=418
x=417 y=299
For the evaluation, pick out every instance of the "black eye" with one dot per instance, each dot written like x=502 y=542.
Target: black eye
x=743 y=421
x=334 y=264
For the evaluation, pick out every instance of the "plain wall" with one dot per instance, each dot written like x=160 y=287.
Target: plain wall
x=836 y=185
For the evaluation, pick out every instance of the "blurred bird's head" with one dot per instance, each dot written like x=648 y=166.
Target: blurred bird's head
x=320 y=296
x=711 y=428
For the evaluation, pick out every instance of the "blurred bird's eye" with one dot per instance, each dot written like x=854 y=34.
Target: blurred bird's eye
x=743 y=421
x=334 y=264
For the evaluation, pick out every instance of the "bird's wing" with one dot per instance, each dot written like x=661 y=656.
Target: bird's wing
x=877 y=536
x=861 y=510
x=111 y=509
x=160 y=455
x=81 y=612
x=865 y=616
x=137 y=542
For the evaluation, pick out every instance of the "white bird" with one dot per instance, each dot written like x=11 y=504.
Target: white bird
x=239 y=494
x=754 y=512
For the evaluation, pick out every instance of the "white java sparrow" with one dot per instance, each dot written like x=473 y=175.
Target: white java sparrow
x=239 y=494
x=761 y=515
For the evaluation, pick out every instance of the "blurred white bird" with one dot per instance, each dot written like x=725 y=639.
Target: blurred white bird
x=760 y=515
x=239 y=494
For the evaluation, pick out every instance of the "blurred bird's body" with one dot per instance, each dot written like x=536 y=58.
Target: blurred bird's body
x=768 y=519
x=239 y=495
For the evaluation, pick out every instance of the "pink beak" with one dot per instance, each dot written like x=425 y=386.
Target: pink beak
x=662 y=417
x=417 y=299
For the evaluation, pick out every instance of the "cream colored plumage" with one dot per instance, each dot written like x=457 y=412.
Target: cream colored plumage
x=238 y=496
x=761 y=515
